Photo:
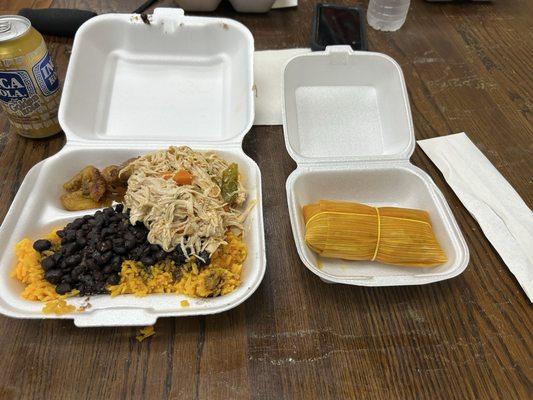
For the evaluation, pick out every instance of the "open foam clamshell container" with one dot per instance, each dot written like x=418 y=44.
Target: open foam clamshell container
x=348 y=126
x=132 y=88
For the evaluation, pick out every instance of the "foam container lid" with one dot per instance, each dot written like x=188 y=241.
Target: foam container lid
x=132 y=88
x=246 y=6
x=347 y=124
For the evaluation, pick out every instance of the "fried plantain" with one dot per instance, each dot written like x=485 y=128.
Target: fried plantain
x=89 y=181
x=92 y=188
x=76 y=201
x=115 y=183
x=124 y=171
x=110 y=173
x=74 y=183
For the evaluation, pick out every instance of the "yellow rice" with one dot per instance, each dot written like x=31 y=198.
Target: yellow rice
x=58 y=306
x=28 y=270
x=145 y=333
x=220 y=277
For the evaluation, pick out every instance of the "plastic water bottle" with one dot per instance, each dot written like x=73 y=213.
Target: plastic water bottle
x=387 y=15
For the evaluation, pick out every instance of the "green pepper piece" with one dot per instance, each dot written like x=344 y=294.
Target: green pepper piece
x=230 y=183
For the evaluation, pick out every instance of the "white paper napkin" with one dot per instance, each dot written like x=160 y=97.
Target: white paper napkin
x=503 y=216
x=285 y=3
x=268 y=71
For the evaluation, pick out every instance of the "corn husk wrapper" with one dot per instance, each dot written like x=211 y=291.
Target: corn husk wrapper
x=354 y=231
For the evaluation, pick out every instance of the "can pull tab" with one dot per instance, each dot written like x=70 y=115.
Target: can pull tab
x=5 y=26
x=167 y=18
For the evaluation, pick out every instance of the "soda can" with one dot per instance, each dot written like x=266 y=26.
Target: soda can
x=29 y=87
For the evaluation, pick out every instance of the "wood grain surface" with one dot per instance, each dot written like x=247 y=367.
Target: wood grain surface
x=468 y=68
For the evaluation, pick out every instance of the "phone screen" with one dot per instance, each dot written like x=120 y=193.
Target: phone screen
x=339 y=25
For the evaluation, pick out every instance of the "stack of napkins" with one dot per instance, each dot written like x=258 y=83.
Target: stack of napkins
x=505 y=219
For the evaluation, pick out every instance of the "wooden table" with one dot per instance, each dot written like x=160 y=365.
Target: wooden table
x=468 y=68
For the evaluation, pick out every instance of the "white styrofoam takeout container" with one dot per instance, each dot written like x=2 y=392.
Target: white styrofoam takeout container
x=347 y=124
x=132 y=88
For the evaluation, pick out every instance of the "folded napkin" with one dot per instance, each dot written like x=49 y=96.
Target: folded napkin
x=285 y=3
x=505 y=219
x=268 y=73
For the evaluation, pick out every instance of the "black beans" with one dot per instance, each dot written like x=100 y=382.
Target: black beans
x=76 y=272
x=112 y=280
x=160 y=255
x=177 y=256
x=53 y=275
x=42 y=245
x=86 y=279
x=90 y=264
x=105 y=246
x=99 y=287
x=97 y=258
x=106 y=257
x=120 y=250
x=108 y=269
x=73 y=260
x=148 y=261
x=129 y=244
x=93 y=248
x=129 y=236
x=70 y=235
x=68 y=249
x=76 y=224
x=145 y=250
x=48 y=263
x=63 y=288
x=203 y=258
x=97 y=275
x=116 y=260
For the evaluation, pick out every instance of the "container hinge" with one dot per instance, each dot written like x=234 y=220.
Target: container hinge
x=363 y=163
x=167 y=18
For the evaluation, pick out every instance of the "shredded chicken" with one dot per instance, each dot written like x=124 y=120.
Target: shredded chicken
x=193 y=216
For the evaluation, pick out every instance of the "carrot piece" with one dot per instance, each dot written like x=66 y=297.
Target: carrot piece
x=182 y=177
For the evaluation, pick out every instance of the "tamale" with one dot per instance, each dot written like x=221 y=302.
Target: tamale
x=354 y=231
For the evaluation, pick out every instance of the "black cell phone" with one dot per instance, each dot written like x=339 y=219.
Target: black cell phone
x=338 y=25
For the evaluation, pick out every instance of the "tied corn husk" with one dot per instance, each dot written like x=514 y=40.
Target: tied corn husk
x=350 y=231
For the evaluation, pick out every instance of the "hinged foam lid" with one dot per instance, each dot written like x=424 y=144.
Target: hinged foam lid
x=345 y=105
x=178 y=77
